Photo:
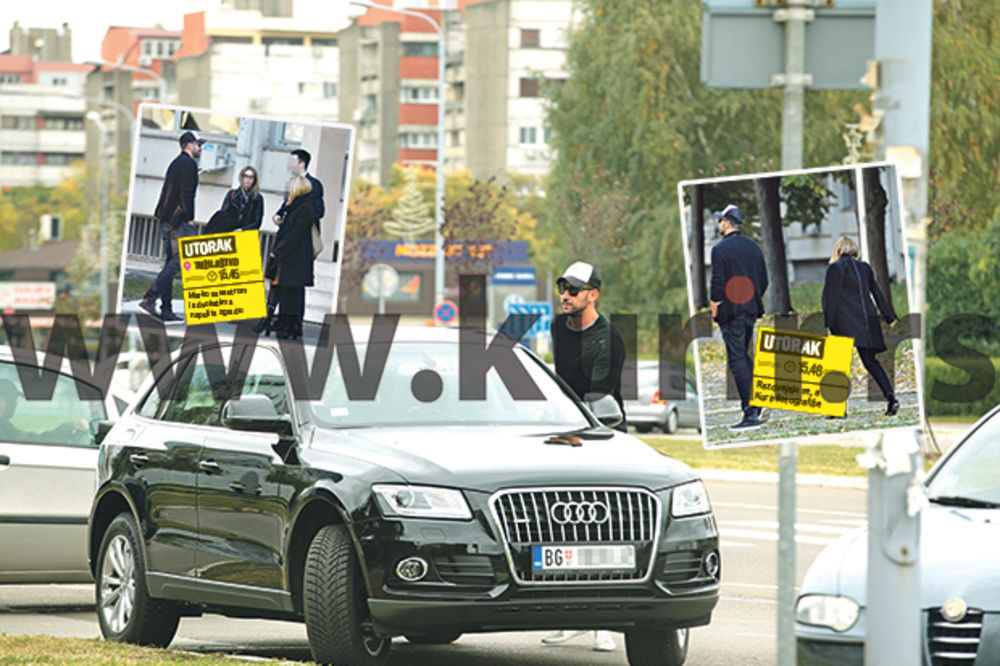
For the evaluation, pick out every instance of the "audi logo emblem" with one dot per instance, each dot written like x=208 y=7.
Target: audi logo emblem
x=580 y=513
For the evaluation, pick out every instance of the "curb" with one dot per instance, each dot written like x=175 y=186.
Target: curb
x=813 y=480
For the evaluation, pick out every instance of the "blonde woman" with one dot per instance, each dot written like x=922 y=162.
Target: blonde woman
x=849 y=310
x=291 y=258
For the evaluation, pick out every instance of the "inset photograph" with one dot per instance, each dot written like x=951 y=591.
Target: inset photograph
x=802 y=256
x=199 y=172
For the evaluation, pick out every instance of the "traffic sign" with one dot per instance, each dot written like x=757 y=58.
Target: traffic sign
x=515 y=324
x=381 y=281
x=445 y=312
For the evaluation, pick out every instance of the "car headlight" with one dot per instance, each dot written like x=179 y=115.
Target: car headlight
x=422 y=502
x=824 y=610
x=689 y=499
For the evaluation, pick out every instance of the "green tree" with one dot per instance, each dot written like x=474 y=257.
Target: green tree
x=965 y=114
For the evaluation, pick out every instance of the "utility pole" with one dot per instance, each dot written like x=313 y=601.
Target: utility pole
x=794 y=80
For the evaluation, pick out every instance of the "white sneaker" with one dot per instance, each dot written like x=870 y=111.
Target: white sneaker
x=603 y=642
x=561 y=636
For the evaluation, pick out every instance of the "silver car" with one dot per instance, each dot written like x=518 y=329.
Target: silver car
x=651 y=410
x=48 y=473
x=959 y=579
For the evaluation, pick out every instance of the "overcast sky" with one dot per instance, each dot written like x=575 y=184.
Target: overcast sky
x=90 y=20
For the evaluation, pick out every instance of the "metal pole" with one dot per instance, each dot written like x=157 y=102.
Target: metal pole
x=95 y=118
x=794 y=81
x=439 y=198
x=439 y=194
x=787 y=464
x=903 y=52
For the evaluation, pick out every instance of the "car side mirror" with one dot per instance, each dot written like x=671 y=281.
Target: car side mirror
x=103 y=428
x=255 y=412
x=606 y=410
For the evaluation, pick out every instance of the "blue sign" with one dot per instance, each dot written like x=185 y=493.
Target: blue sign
x=445 y=312
x=520 y=314
x=514 y=275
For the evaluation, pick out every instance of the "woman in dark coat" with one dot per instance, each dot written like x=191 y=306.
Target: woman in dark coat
x=849 y=310
x=292 y=258
x=245 y=202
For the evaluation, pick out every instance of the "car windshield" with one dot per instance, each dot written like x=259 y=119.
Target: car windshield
x=408 y=394
x=972 y=472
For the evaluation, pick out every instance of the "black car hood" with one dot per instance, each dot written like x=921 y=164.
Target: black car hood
x=490 y=458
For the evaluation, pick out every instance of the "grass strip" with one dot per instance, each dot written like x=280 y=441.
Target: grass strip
x=828 y=459
x=51 y=650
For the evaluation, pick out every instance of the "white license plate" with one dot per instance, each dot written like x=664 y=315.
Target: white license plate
x=555 y=558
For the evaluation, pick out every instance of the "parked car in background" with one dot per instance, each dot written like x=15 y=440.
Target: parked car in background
x=959 y=576
x=48 y=471
x=402 y=512
x=652 y=409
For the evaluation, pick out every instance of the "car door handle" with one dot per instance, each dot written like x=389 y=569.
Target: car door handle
x=209 y=466
x=139 y=459
x=4 y=460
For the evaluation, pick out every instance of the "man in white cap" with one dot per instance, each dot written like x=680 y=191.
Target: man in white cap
x=589 y=355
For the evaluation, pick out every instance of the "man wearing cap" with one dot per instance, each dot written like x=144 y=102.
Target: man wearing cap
x=739 y=280
x=175 y=211
x=589 y=355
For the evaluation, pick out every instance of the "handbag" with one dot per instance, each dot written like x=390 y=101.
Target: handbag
x=317 y=241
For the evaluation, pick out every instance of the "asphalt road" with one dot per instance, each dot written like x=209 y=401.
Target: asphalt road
x=742 y=629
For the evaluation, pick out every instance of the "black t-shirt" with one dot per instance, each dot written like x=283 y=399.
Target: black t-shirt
x=590 y=360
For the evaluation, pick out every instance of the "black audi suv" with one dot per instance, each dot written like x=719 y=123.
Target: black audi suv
x=393 y=492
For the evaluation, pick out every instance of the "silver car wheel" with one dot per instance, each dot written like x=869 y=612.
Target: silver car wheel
x=118 y=584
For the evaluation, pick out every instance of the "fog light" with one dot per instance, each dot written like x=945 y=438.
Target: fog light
x=712 y=564
x=411 y=569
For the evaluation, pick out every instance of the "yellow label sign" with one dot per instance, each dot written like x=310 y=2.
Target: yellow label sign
x=222 y=277
x=802 y=372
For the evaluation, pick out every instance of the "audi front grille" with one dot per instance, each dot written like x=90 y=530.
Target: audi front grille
x=580 y=516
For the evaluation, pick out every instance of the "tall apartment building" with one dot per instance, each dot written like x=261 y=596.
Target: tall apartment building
x=44 y=44
x=261 y=57
x=513 y=48
x=499 y=54
x=41 y=119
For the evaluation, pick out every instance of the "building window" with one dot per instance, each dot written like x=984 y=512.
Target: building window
x=147 y=47
x=546 y=135
x=302 y=88
x=419 y=139
x=19 y=159
x=420 y=49
x=10 y=78
x=528 y=135
x=59 y=159
x=60 y=81
x=530 y=87
x=530 y=38
x=323 y=42
x=19 y=122
x=419 y=95
x=329 y=89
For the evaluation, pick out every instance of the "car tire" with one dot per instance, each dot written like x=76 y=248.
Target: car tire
x=338 y=622
x=125 y=611
x=440 y=638
x=656 y=647
x=670 y=425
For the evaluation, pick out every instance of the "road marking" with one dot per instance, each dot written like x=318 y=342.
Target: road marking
x=799 y=527
x=771 y=507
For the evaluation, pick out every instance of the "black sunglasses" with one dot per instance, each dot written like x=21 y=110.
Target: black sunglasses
x=572 y=291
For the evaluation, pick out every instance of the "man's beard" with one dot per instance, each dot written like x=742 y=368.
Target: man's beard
x=574 y=311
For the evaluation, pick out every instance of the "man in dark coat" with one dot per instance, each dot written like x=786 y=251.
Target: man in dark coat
x=298 y=165
x=175 y=212
x=739 y=280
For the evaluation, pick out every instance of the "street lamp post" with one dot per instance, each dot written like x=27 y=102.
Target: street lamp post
x=439 y=197
x=95 y=117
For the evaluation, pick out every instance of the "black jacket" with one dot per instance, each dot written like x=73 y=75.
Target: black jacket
x=316 y=196
x=292 y=249
x=250 y=216
x=591 y=360
x=848 y=309
x=176 y=204
x=736 y=256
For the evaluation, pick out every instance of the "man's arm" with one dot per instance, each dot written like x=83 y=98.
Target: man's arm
x=318 y=204
x=189 y=184
x=717 y=287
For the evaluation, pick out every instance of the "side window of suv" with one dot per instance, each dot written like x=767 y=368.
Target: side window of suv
x=192 y=401
x=63 y=420
x=266 y=376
